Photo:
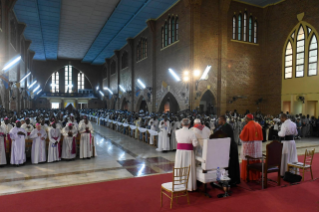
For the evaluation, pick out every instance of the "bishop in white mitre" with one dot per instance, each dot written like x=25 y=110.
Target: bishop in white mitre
x=3 y=146
x=163 y=138
x=186 y=141
x=38 y=136
x=18 y=135
x=86 y=142
x=54 y=150
x=69 y=144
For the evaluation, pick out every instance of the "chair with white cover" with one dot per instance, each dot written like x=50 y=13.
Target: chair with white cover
x=307 y=164
x=177 y=188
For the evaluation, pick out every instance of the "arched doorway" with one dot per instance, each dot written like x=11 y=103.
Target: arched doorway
x=169 y=104
x=142 y=104
x=124 y=104
x=207 y=103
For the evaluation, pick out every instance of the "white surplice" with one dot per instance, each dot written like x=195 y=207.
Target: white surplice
x=67 y=143
x=289 y=151
x=174 y=127
x=163 y=139
x=28 y=128
x=38 y=153
x=3 y=159
x=18 y=146
x=201 y=135
x=53 y=150
x=185 y=158
x=86 y=145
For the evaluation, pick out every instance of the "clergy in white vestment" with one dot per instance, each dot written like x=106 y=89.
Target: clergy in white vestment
x=38 y=136
x=163 y=136
x=137 y=125
x=7 y=127
x=69 y=144
x=18 y=135
x=44 y=126
x=86 y=145
x=153 y=127
x=186 y=141
x=74 y=122
x=201 y=132
x=27 y=126
x=3 y=146
x=289 y=152
x=54 y=151
x=175 y=125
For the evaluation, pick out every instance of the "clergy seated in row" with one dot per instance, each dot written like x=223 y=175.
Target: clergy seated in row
x=251 y=137
x=224 y=130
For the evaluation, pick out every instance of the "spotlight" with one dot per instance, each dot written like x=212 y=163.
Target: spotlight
x=101 y=93
x=25 y=77
x=36 y=88
x=174 y=75
x=30 y=86
x=39 y=91
x=142 y=84
x=205 y=74
x=97 y=87
x=122 y=89
x=11 y=63
x=196 y=73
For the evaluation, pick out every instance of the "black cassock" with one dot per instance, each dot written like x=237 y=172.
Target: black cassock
x=226 y=131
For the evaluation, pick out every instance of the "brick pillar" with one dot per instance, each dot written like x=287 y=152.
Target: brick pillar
x=118 y=70
x=130 y=42
x=152 y=43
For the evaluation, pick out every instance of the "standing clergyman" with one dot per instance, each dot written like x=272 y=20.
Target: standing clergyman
x=69 y=144
x=54 y=151
x=38 y=137
x=186 y=141
x=3 y=146
x=18 y=135
x=86 y=130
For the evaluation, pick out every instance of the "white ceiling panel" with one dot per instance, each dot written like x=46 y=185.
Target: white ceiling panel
x=81 y=22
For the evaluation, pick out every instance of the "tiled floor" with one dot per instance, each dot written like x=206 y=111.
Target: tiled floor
x=119 y=156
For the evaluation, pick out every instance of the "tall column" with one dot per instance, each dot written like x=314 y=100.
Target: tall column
x=152 y=28
x=130 y=42
x=118 y=70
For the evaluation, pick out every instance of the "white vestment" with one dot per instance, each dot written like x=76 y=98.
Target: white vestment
x=28 y=128
x=75 y=125
x=201 y=135
x=18 y=146
x=38 y=153
x=3 y=159
x=86 y=146
x=185 y=158
x=163 y=139
x=53 y=150
x=289 y=151
x=175 y=126
x=67 y=146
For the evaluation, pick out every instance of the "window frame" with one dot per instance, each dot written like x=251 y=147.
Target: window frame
x=304 y=51
x=310 y=39
x=239 y=35
x=234 y=27
x=245 y=27
x=292 y=62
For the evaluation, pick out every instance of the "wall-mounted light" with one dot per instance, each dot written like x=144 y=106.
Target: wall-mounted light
x=205 y=74
x=176 y=77
x=97 y=87
x=122 y=89
x=36 y=88
x=25 y=77
x=30 y=86
x=141 y=84
x=39 y=91
x=101 y=93
x=11 y=63
x=109 y=90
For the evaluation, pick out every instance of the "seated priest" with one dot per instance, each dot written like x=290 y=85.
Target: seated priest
x=86 y=146
x=38 y=136
x=224 y=130
x=186 y=141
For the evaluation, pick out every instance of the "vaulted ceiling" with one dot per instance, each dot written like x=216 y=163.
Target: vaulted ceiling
x=88 y=30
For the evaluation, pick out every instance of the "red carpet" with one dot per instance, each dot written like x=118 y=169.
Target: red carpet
x=143 y=194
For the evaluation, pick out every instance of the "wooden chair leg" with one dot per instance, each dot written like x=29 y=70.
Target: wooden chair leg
x=161 y=197
x=311 y=173
x=172 y=199
x=303 y=174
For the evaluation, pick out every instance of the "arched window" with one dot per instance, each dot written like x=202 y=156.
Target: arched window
x=166 y=33
x=245 y=27
x=176 y=29
x=113 y=67
x=124 y=60
x=141 y=49
x=239 y=27
x=169 y=30
x=313 y=56
x=173 y=29
x=255 y=32
x=68 y=86
x=55 y=83
x=300 y=61
x=163 y=37
x=234 y=27
x=288 y=61
x=250 y=30
x=80 y=81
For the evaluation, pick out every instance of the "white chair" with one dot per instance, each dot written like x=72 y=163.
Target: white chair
x=177 y=188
